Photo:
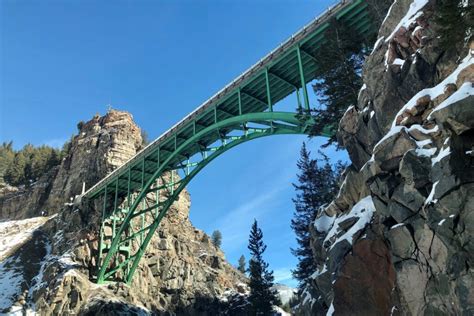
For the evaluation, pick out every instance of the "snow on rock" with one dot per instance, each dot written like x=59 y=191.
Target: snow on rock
x=430 y=197
x=439 y=89
x=364 y=210
x=318 y=273
x=442 y=153
x=15 y=233
x=397 y=225
x=411 y=16
x=466 y=90
x=330 y=310
x=279 y=311
x=10 y=282
x=284 y=292
x=324 y=223
x=23 y=248
x=398 y=61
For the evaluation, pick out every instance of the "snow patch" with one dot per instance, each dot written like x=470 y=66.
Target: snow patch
x=10 y=282
x=399 y=62
x=330 y=310
x=429 y=199
x=324 y=223
x=397 y=225
x=364 y=210
x=412 y=14
x=465 y=91
x=377 y=44
x=318 y=273
x=441 y=222
x=364 y=86
x=442 y=153
x=15 y=233
x=438 y=89
x=394 y=130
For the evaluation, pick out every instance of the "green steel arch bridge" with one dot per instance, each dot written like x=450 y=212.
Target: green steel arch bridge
x=135 y=197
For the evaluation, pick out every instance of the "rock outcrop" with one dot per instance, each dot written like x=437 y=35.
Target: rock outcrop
x=398 y=239
x=181 y=272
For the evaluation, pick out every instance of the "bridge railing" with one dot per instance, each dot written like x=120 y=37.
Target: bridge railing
x=298 y=39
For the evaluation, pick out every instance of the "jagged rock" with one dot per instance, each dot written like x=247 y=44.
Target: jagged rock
x=365 y=284
x=415 y=169
x=181 y=263
x=390 y=151
x=458 y=116
x=414 y=156
x=401 y=242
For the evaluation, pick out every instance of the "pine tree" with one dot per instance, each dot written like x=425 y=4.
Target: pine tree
x=6 y=158
x=454 y=20
x=15 y=173
x=216 y=238
x=338 y=80
x=262 y=296
x=241 y=266
x=317 y=186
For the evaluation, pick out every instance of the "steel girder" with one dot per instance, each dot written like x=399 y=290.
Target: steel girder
x=122 y=244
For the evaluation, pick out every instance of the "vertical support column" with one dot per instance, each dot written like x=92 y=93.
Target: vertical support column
x=194 y=128
x=128 y=188
x=142 y=216
x=101 y=233
x=115 y=213
x=172 y=182
x=269 y=96
x=187 y=167
x=215 y=114
x=303 y=83
x=157 y=193
x=240 y=100
x=175 y=142
x=298 y=98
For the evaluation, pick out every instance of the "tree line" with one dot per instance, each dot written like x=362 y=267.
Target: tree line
x=28 y=164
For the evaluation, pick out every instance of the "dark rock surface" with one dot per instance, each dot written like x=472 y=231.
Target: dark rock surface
x=412 y=160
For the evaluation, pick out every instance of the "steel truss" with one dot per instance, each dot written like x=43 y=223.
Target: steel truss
x=125 y=230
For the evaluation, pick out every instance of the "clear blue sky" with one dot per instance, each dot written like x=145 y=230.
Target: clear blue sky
x=64 y=61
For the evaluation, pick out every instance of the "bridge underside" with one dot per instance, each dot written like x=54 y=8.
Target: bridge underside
x=130 y=218
x=135 y=197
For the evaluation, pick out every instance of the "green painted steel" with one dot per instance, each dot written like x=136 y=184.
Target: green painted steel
x=244 y=110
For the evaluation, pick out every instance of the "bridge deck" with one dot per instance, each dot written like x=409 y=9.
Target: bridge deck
x=279 y=70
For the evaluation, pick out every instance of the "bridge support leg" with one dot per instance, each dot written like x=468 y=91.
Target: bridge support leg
x=303 y=82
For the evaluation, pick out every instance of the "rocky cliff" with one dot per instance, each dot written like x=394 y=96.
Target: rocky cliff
x=182 y=271
x=398 y=238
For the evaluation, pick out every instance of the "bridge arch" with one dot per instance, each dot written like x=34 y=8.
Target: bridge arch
x=240 y=112
x=117 y=264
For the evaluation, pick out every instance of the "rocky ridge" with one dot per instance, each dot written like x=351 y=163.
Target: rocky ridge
x=181 y=272
x=397 y=240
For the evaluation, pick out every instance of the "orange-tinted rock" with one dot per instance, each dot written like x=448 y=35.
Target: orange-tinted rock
x=365 y=284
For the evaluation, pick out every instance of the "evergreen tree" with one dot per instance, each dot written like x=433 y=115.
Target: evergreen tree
x=455 y=20
x=216 y=238
x=262 y=296
x=338 y=80
x=28 y=164
x=242 y=264
x=317 y=186
x=6 y=158
x=15 y=173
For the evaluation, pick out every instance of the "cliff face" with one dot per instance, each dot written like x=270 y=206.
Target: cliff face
x=398 y=239
x=181 y=269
